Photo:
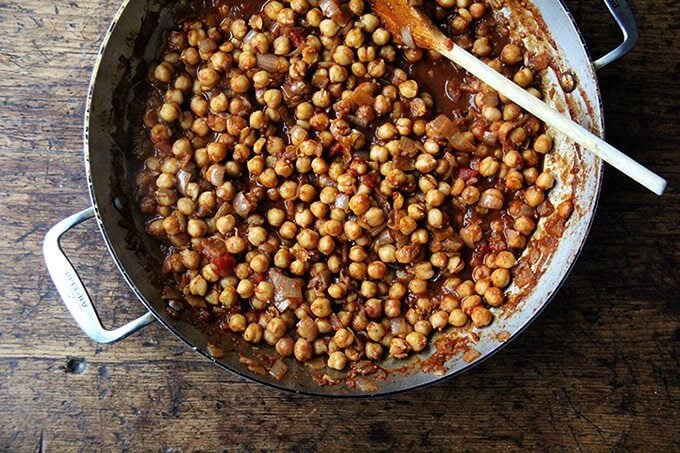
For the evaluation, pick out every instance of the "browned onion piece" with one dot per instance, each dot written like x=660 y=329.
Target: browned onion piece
x=444 y=127
x=409 y=147
x=361 y=96
x=334 y=11
x=287 y=291
x=269 y=62
x=250 y=35
x=242 y=206
x=461 y=143
x=490 y=138
x=195 y=301
x=341 y=201
x=407 y=37
x=183 y=178
x=356 y=121
x=278 y=370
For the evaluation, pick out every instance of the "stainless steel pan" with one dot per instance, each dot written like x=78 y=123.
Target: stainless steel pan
x=129 y=45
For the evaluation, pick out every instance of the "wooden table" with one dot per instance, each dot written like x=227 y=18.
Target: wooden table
x=598 y=370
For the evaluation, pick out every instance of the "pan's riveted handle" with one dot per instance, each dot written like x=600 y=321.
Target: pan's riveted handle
x=72 y=290
x=624 y=17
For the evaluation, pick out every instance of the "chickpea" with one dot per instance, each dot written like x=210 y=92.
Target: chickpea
x=511 y=54
x=543 y=143
x=208 y=77
x=303 y=350
x=524 y=77
x=328 y=27
x=337 y=360
x=392 y=308
x=457 y=318
x=545 y=180
x=373 y=351
x=481 y=316
x=237 y=322
x=408 y=89
x=352 y=230
x=164 y=72
x=283 y=259
x=198 y=286
x=321 y=307
x=417 y=341
x=196 y=228
x=381 y=37
x=398 y=348
x=343 y=338
x=308 y=238
x=284 y=346
x=354 y=38
x=482 y=47
x=435 y=218
x=170 y=112
x=387 y=253
x=494 y=297
x=374 y=217
x=307 y=329
x=534 y=196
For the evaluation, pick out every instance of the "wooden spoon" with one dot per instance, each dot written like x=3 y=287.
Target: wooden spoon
x=399 y=17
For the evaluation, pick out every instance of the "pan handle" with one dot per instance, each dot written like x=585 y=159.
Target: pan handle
x=71 y=288
x=624 y=17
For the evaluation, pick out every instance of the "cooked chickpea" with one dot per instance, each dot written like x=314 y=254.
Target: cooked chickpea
x=543 y=143
x=511 y=54
x=457 y=318
x=481 y=316
x=408 y=89
x=417 y=341
x=337 y=360
x=237 y=322
x=303 y=350
x=343 y=338
x=524 y=77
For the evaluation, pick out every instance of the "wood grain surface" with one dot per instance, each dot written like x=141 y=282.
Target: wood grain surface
x=598 y=371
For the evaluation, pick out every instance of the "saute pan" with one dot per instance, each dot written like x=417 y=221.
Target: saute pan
x=112 y=113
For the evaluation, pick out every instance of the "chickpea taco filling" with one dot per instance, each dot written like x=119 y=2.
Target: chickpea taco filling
x=321 y=189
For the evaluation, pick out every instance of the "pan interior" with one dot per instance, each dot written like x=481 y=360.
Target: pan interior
x=114 y=111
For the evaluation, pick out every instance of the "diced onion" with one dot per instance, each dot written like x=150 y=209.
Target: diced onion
x=444 y=127
x=341 y=201
x=490 y=137
x=334 y=11
x=409 y=147
x=250 y=35
x=361 y=96
x=278 y=370
x=398 y=326
x=195 y=301
x=268 y=61
x=461 y=142
x=242 y=206
x=287 y=291
x=407 y=37
x=183 y=178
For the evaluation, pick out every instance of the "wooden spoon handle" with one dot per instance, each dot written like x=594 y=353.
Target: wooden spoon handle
x=400 y=17
x=552 y=117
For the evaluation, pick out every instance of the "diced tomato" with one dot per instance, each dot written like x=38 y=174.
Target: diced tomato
x=224 y=263
x=297 y=35
x=467 y=173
